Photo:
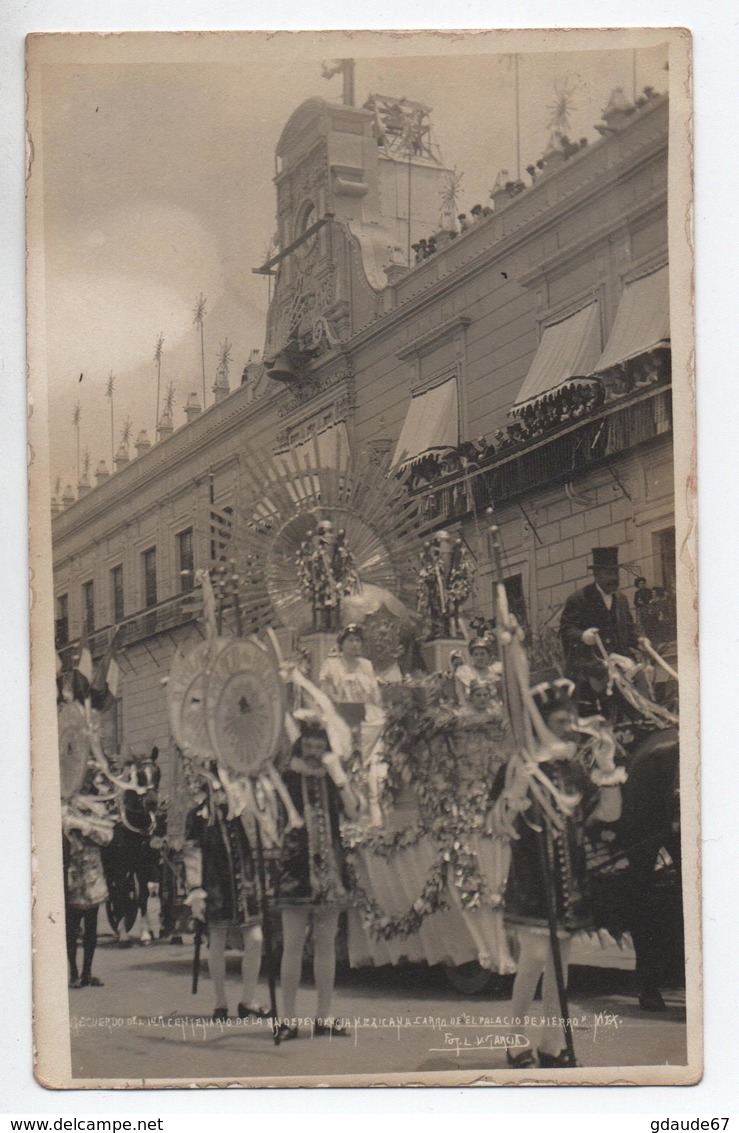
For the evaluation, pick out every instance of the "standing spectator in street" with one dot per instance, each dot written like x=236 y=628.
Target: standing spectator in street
x=598 y=609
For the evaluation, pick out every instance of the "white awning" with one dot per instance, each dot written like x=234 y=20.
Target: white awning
x=431 y=423
x=568 y=349
x=642 y=320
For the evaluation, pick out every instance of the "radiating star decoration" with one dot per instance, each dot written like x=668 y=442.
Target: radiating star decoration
x=159 y=349
x=224 y=357
x=169 y=398
x=126 y=432
x=110 y=386
x=450 y=192
x=199 y=312
x=562 y=107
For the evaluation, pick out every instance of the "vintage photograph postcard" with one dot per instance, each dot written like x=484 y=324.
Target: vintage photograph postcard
x=363 y=557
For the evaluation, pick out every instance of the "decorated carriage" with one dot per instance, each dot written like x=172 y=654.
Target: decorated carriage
x=317 y=549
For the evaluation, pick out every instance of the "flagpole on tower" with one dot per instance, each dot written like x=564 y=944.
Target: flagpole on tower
x=76 y=417
x=158 y=360
x=109 y=395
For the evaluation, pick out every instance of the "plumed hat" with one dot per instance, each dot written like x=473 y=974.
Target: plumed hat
x=551 y=695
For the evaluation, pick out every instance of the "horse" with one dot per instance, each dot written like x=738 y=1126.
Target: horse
x=131 y=864
x=649 y=832
x=635 y=876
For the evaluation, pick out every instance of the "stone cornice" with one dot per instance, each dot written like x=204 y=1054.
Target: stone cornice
x=434 y=337
x=499 y=243
x=218 y=422
x=593 y=236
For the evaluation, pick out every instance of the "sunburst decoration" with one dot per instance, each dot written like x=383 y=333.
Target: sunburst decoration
x=562 y=107
x=169 y=399
x=450 y=193
x=255 y=569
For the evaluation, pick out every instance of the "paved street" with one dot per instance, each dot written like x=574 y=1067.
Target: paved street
x=145 y=1024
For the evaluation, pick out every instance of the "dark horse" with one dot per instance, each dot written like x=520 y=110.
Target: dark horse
x=129 y=861
x=637 y=885
x=649 y=832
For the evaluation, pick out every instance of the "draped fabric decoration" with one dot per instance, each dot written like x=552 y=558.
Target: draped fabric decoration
x=642 y=321
x=568 y=349
x=431 y=423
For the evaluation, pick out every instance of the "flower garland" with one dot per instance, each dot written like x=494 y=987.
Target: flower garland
x=380 y=842
x=423 y=745
x=381 y=925
x=455 y=864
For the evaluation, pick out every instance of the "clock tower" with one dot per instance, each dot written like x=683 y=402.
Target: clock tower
x=354 y=186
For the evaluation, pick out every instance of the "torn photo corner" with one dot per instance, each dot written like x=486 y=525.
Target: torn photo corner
x=364 y=542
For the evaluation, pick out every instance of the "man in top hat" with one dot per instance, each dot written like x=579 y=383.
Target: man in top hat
x=600 y=606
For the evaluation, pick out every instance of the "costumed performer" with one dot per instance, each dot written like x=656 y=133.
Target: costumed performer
x=349 y=680
x=482 y=668
x=482 y=747
x=86 y=826
x=312 y=885
x=549 y=861
x=223 y=887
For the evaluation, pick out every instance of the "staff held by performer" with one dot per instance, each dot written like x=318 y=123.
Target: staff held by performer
x=312 y=886
x=547 y=898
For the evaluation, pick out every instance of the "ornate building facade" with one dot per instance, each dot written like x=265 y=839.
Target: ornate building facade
x=521 y=365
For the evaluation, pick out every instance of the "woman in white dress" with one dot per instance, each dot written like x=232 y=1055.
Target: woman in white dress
x=349 y=680
x=482 y=669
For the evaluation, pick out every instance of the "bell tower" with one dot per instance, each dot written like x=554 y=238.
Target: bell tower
x=354 y=186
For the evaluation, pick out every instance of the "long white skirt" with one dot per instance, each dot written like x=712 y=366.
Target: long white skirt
x=453 y=936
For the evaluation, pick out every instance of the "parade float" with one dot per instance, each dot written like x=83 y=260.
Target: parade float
x=319 y=548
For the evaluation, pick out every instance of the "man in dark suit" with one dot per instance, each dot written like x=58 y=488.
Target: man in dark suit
x=602 y=607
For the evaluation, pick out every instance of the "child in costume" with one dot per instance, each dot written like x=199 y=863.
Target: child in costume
x=548 y=861
x=87 y=825
x=223 y=891
x=311 y=880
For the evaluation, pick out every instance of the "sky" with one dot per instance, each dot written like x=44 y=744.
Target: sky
x=158 y=187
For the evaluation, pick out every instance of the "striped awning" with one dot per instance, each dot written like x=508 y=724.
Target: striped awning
x=431 y=423
x=642 y=320
x=568 y=349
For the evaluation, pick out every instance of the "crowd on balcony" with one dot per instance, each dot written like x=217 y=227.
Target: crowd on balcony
x=560 y=149
x=543 y=416
x=547 y=414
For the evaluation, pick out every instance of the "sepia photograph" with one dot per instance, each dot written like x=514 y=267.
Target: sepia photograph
x=362 y=528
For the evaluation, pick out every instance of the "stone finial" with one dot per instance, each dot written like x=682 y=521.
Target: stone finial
x=395 y=267
x=221 y=387
x=619 y=109
x=122 y=457
x=101 y=473
x=143 y=444
x=68 y=497
x=193 y=408
x=165 y=428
